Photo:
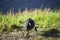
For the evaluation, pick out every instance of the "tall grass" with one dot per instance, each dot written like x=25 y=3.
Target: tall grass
x=44 y=19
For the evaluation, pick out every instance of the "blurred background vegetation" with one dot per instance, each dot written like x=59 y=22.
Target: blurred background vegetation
x=45 y=13
x=44 y=19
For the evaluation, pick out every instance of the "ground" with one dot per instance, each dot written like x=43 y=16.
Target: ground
x=20 y=35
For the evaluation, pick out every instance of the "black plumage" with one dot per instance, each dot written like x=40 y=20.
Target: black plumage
x=29 y=24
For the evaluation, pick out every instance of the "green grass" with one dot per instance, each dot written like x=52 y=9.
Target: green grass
x=47 y=21
x=44 y=19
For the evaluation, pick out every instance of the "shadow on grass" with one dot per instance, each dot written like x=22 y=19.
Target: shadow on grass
x=51 y=33
x=13 y=27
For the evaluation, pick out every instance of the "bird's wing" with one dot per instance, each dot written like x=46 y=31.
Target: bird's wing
x=29 y=23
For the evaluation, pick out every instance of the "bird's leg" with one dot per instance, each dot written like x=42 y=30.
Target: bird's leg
x=27 y=35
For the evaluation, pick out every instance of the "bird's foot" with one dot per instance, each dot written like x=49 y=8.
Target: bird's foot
x=27 y=36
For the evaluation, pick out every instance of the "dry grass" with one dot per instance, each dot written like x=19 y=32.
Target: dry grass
x=20 y=35
x=44 y=20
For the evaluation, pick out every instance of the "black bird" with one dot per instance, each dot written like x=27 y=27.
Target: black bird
x=29 y=25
